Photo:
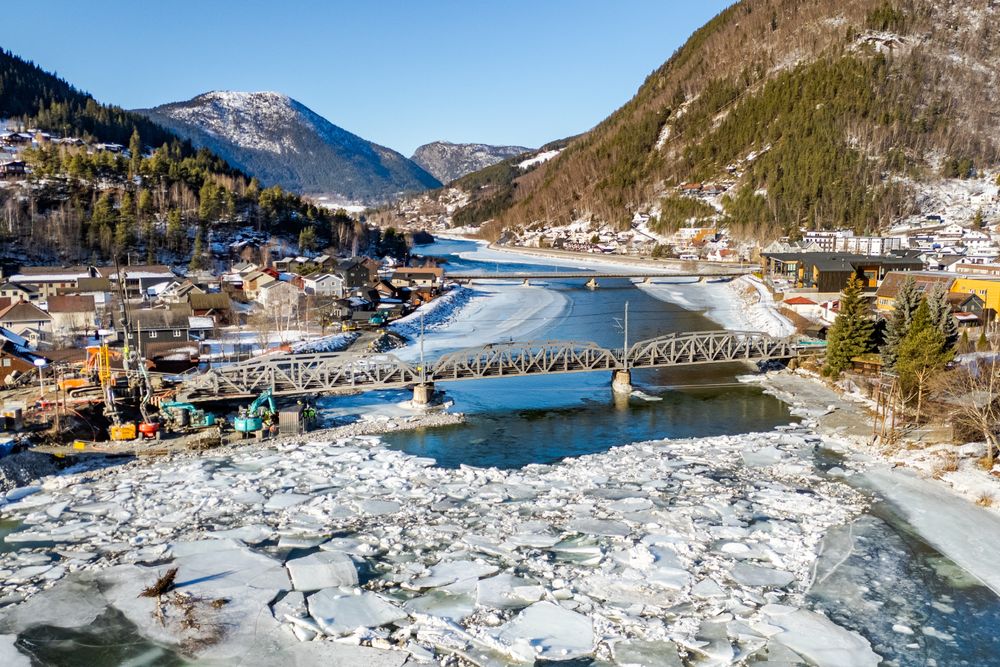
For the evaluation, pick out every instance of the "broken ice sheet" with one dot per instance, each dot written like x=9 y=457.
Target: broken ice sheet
x=546 y=631
x=338 y=613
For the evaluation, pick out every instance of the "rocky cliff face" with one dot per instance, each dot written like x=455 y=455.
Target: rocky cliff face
x=447 y=161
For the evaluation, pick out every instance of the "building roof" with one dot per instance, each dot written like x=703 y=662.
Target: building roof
x=924 y=280
x=419 y=270
x=93 y=285
x=138 y=271
x=210 y=301
x=50 y=274
x=22 y=311
x=159 y=318
x=799 y=301
x=70 y=303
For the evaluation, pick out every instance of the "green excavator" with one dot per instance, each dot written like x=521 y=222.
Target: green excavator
x=179 y=415
x=251 y=419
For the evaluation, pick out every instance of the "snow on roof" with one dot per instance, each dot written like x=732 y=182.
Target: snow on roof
x=195 y=322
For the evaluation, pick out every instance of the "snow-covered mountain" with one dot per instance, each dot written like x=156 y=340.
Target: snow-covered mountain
x=448 y=161
x=283 y=142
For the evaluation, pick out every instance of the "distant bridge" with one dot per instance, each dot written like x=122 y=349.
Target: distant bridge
x=301 y=374
x=526 y=276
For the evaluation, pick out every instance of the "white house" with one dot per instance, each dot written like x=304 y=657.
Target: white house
x=280 y=297
x=326 y=284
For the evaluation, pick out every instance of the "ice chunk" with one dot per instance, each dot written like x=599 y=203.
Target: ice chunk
x=546 y=631
x=601 y=527
x=339 y=614
x=281 y=501
x=453 y=602
x=707 y=589
x=638 y=653
x=251 y=534
x=379 y=507
x=755 y=575
x=449 y=572
x=323 y=569
x=505 y=591
x=821 y=641
x=21 y=492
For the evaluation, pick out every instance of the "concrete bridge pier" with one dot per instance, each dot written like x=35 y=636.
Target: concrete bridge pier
x=423 y=394
x=592 y=283
x=621 y=382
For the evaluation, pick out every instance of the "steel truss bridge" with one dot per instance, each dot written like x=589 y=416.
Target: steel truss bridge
x=316 y=373
x=465 y=276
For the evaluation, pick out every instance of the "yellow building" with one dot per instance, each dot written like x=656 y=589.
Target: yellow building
x=986 y=288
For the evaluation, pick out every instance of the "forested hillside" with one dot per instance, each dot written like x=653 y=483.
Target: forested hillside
x=817 y=114
x=159 y=200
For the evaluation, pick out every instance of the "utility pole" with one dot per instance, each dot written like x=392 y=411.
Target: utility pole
x=423 y=367
x=625 y=349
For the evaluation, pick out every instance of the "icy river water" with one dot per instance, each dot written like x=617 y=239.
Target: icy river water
x=677 y=516
x=876 y=573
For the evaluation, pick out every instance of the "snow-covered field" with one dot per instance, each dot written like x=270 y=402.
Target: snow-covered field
x=488 y=312
x=703 y=547
x=743 y=304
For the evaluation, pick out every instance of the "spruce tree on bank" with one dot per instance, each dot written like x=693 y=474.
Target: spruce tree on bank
x=907 y=301
x=851 y=333
x=923 y=354
x=941 y=315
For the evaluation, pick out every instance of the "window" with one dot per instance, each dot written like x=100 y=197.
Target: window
x=152 y=334
x=6 y=362
x=177 y=333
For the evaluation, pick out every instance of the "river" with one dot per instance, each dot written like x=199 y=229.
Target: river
x=516 y=421
x=877 y=576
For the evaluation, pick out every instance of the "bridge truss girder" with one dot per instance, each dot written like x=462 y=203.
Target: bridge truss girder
x=294 y=374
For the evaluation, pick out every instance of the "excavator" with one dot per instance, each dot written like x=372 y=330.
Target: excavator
x=179 y=415
x=253 y=418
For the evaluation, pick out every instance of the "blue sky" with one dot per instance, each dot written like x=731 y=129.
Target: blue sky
x=395 y=72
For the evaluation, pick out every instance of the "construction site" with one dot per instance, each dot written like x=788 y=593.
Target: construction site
x=112 y=403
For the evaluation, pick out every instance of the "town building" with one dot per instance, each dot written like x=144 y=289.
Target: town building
x=924 y=281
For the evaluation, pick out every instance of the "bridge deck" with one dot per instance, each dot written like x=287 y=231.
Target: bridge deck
x=556 y=275
x=294 y=374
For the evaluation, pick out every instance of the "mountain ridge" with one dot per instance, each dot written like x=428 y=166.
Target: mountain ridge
x=283 y=142
x=817 y=115
x=448 y=161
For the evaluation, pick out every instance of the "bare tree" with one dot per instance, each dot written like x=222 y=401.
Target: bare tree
x=970 y=396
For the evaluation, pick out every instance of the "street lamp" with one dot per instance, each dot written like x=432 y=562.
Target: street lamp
x=41 y=363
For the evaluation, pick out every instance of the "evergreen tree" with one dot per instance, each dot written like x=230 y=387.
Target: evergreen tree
x=964 y=344
x=135 y=154
x=307 y=239
x=922 y=354
x=983 y=344
x=851 y=333
x=941 y=315
x=907 y=301
x=198 y=259
x=175 y=231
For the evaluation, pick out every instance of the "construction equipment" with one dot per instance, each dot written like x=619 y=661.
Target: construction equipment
x=257 y=414
x=136 y=372
x=185 y=415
